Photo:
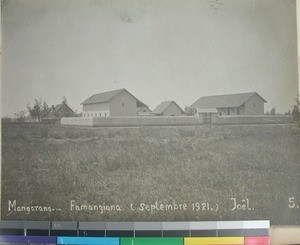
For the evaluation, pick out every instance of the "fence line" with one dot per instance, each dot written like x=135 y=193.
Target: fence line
x=172 y=121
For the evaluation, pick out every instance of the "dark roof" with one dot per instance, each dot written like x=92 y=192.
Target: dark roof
x=107 y=96
x=221 y=101
x=56 y=108
x=102 y=97
x=59 y=106
x=140 y=104
x=163 y=106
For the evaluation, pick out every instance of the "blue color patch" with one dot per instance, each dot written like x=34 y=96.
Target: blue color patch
x=88 y=241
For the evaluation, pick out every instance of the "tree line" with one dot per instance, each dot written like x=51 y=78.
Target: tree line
x=295 y=112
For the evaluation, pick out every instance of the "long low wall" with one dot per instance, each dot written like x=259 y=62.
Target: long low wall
x=170 y=121
x=130 y=121
x=255 y=119
x=77 y=121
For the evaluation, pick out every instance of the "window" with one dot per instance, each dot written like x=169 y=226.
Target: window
x=88 y=115
x=99 y=114
x=92 y=115
x=105 y=114
x=123 y=104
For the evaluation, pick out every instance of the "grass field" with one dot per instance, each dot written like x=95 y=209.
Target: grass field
x=52 y=165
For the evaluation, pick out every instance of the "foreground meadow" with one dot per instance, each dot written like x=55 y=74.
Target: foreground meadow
x=58 y=167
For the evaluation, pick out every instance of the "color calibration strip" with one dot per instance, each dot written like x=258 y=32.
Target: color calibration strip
x=136 y=233
x=135 y=241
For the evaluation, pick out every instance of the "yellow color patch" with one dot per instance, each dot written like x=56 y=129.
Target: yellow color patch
x=213 y=240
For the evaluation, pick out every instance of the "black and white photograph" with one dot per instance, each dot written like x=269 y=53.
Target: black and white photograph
x=150 y=110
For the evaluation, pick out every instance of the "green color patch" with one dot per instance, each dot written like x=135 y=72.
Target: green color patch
x=151 y=241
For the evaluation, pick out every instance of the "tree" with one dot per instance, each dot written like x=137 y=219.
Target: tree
x=273 y=111
x=65 y=100
x=288 y=113
x=37 y=109
x=20 y=116
x=45 y=109
x=296 y=109
x=189 y=112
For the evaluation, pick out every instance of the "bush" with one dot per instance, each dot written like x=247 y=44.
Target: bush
x=296 y=110
x=5 y=120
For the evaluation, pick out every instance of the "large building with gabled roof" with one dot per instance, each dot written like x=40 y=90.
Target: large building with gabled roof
x=232 y=104
x=118 y=102
x=168 y=108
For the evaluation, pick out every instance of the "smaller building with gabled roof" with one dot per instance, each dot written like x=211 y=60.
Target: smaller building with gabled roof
x=118 y=102
x=232 y=104
x=60 y=110
x=168 y=108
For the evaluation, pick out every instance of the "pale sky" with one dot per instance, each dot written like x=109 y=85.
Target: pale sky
x=157 y=49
